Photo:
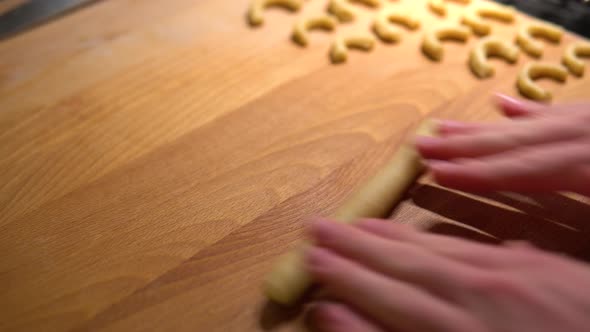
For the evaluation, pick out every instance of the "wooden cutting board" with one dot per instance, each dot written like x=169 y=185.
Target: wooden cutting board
x=156 y=156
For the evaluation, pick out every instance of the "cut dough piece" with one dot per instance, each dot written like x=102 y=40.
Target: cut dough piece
x=431 y=44
x=370 y=3
x=386 y=31
x=300 y=31
x=527 y=33
x=491 y=46
x=256 y=11
x=339 y=51
x=289 y=280
x=571 y=57
x=534 y=70
x=342 y=10
x=439 y=7
x=475 y=18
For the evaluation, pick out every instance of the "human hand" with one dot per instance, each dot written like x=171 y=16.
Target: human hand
x=545 y=148
x=390 y=277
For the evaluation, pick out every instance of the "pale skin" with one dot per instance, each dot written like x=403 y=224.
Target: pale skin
x=384 y=276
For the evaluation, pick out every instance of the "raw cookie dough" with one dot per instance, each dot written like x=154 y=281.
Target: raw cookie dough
x=439 y=7
x=339 y=50
x=386 y=31
x=344 y=11
x=255 y=13
x=375 y=199
x=300 y=31
x=534 y=70
x=431 y=44
x=474 y=18
x=571 y=57
x=527 y=33
x=490 y=46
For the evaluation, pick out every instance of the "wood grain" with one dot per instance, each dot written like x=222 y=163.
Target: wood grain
x=153 y=167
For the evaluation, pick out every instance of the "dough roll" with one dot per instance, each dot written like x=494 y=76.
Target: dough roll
x=377 y=198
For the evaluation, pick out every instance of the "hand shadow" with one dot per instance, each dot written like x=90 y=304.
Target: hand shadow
x=524 y=223
x=555 y=208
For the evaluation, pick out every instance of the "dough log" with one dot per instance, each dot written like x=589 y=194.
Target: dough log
x=288 y=281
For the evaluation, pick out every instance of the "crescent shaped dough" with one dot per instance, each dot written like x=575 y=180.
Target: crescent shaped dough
x=375 y=199
x=490 y=46
x=370 y=3
x=300 y=31
x=256 y=11
x=344 y=11
x=527 y=33
x=474 y=18
x=571 y=57
x=386 y=31
x=339 y=50
x=439 y=7
x=534 y=70
x=431 y=44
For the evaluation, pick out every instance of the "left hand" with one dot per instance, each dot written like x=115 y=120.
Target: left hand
x=390 y=277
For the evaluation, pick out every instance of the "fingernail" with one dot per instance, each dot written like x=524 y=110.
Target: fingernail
x=506 y=99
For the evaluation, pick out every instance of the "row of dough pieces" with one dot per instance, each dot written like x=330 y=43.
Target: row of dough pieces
x=432 y=46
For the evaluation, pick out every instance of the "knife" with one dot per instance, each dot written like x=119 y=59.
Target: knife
x=34 y=12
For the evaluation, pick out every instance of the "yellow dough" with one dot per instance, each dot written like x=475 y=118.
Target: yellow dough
x=375 y=199
x=344 y=11
x=370 y=3
x=339 y=50
x=534 y=70
x=571 y=57
x=474 y=18
x=431 y=44
x=527 y=33
x=256 y=11
x=386 y=31
x=302 y=27
x=490 y=46
x=439 y=7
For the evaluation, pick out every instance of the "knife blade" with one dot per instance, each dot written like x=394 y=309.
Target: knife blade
x=35 y=12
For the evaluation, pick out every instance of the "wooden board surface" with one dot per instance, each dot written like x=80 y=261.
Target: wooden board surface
x=156 y=156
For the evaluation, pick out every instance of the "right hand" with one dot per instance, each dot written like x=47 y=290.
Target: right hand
x=544 y=149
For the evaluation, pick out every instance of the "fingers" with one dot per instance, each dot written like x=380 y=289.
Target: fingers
x=448 y=128
x=469 y=252
x=520 y=108
x=395 y=304
x=515 y=108
x=542 y=168
x=400 y=260
x=336 y=317
x=508 y=137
